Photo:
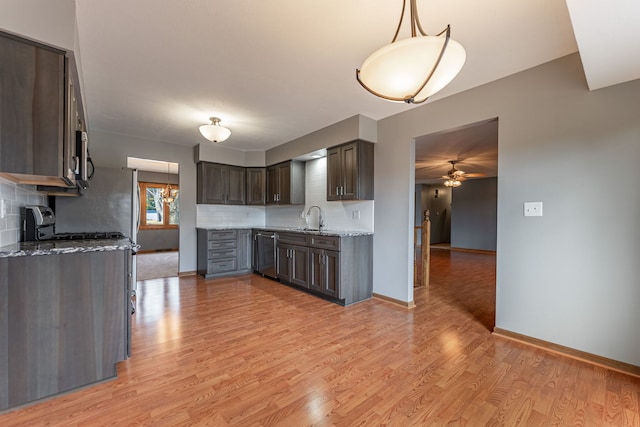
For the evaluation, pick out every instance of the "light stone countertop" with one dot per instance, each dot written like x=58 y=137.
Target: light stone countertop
x=323 y=232
x=54 y=247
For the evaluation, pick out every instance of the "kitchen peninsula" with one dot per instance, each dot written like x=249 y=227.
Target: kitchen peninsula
x=64 y=316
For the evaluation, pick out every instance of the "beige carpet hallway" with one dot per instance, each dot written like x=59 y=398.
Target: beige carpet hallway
x=156 y=265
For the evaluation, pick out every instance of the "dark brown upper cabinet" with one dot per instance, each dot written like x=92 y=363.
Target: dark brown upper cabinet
x=285 y=183
x=220 y=184
x=350 y=171
x=256 y=186
x=38 y=113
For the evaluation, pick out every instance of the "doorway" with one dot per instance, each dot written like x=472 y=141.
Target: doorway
x=158 y=218
x=456 y=173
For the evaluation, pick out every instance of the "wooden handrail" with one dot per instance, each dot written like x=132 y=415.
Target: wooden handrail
x=426 y=249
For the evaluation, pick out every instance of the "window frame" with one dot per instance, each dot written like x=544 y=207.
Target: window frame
x=143 y=207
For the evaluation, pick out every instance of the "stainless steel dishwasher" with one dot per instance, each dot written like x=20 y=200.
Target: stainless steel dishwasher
x=264 y=253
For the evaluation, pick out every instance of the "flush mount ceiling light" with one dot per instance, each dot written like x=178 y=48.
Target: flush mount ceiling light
x=412 y=69
x=214 y=132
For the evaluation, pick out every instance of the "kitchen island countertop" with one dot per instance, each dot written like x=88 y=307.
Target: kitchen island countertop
x=54 y=247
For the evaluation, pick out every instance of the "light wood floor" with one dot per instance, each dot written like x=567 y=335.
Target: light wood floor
x=248 y=351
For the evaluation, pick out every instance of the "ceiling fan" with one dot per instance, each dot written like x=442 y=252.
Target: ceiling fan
x=454 y=177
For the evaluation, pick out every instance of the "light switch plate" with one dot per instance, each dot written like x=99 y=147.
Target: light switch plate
x=3 y=208
x=532 y=208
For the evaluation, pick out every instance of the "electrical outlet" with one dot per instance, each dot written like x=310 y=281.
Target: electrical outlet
x=532 y=208
x=3 y=208
x=355 y=214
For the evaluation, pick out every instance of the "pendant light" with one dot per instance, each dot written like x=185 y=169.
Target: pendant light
x=168 y=193
x=214 y=132
x=412 y=69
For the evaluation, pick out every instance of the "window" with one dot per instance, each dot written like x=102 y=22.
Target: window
x=154 y=213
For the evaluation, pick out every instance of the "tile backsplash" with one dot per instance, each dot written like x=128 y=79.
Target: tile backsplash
x=16 y=196
x=229 y=216
x=353 y=216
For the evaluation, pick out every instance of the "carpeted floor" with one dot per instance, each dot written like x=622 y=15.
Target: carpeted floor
x=156 y=265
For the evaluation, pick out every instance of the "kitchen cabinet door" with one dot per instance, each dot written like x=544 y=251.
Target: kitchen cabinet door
x=220 y=184
x=324 y=272
x=210 y=183
x=32 y=113
x=293 y=264
x=256 y=186
x=285 y=183
x=334 y=174
x=283 y=271
x=350 y=171
x=236 y=185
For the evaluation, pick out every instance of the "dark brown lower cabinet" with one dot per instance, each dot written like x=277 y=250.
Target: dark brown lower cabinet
x=324 y=274
x=292 y=264
x=337 y=267
x=64 y=322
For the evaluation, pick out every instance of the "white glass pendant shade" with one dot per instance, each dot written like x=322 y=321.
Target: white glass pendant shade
x=398 y=71
x=214 y=132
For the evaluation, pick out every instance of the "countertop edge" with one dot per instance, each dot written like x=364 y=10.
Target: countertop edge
x=59 y=247
x=338 y=233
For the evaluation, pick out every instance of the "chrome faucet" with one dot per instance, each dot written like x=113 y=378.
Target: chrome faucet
x=320 y=220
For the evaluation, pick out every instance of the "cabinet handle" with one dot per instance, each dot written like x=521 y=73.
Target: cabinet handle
x=337 y=191
x=342 y=191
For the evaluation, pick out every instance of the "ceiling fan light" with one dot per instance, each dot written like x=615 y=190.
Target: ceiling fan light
x=214 y=132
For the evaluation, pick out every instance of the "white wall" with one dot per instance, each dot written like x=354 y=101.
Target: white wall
x=474 y=214
x=51 y=22
x=571 y=276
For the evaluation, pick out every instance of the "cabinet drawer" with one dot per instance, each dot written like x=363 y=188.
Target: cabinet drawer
x=294 y=238
x=222 y=253
x=221 y=244
x=222 y=266
x=222 y=234
x=326 y=242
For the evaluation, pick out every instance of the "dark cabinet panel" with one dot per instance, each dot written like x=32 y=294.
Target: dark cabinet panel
x=324 y=273
x=244 y=250
x=63 y=322
x=33 y=87
x=293 y=264
x=256 y=186
x=350 y=171
x=285 y=183
x=210 y=183
x=236 y=185
x=220 y=184
x=334 y=174
x=223 y=252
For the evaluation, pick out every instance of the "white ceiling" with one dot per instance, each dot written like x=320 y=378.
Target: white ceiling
x=277 y=70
